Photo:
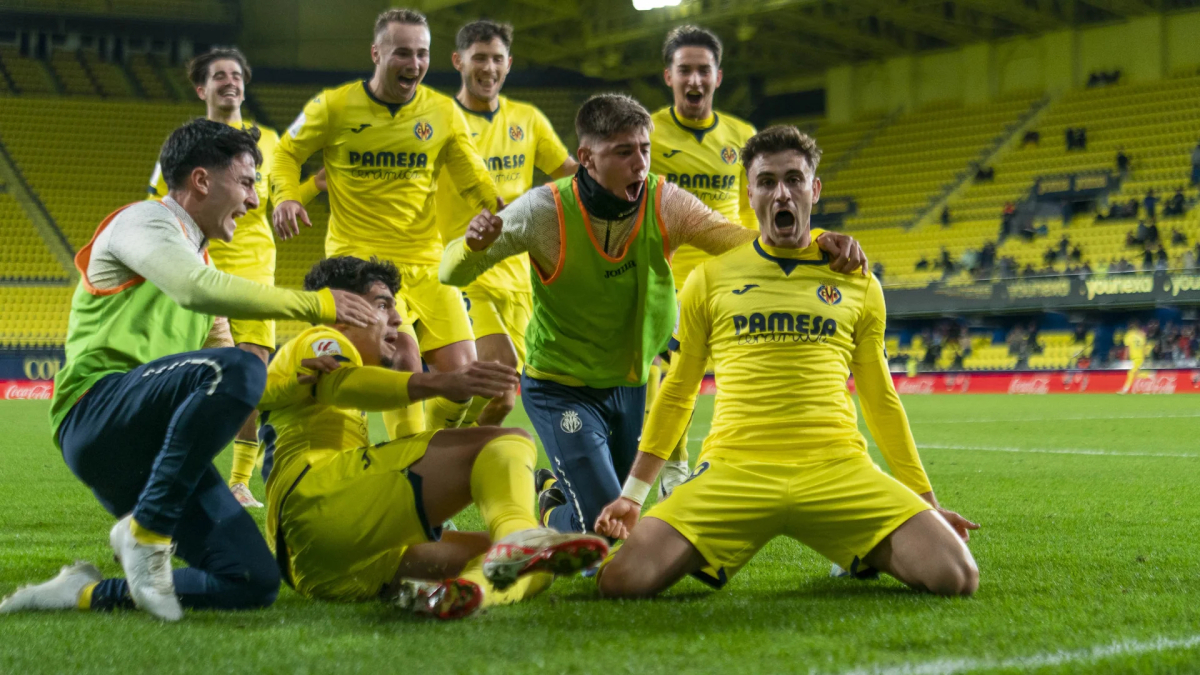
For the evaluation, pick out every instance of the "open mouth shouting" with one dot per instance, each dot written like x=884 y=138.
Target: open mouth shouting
x=694 y=97
x=785 y=222
x=633 y=191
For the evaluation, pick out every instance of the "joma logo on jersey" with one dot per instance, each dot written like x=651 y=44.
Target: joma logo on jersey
x=504 y=162
x=412 y=160
x=423 y=130
x=829 y=294
x=608 y=274
x=516 y=133
x=784 y=322
x=729 y=154
x=714 y=181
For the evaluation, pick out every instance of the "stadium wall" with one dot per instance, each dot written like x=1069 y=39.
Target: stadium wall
x=1145 y=48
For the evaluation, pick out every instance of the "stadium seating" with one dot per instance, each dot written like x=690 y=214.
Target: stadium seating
x=145 y=72
x=109 y=76
x=75 y=80
x=34 y=316
x=30 y=76
x=23 y=255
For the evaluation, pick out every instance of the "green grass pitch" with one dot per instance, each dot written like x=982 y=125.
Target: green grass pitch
x=1088 y=558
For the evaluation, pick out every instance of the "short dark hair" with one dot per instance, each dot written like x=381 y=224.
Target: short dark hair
x=483 y=31
x=603 y=115
x=780 y=138
x=355 y=275
x=691 y=36
x=198 y=67
x=409 y=17
x=204 y=143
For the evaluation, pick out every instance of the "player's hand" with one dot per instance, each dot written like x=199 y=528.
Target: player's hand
x=321 y=364
x=961 y=526
x=354 y=310
x=480 y=378
x=319 y=181
x=500 y=204
x=618 y=518
x=847 y=254
x=286 y=217
x=483 y=230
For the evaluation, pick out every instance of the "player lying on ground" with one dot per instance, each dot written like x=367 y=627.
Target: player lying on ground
x=603 y=298
x=784 y=456
x=512 y=138
x=353 y=521
x=139 y=413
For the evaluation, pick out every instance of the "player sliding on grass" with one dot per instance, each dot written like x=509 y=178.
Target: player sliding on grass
x=603 y=297
x=353 y=521
x=139 y=413
x=784 y=456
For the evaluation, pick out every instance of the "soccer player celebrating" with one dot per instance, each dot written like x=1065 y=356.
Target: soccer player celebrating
x=139 y=413
x=351 y=520
x=696 y=148
x=603 y=300
x=385 y=141
x=784 y=456
x=220 y=76
x=512 y=138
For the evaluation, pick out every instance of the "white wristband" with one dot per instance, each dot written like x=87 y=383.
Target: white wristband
x=635 y=490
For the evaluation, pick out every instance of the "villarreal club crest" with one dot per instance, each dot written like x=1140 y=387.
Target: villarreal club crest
x=829 y=294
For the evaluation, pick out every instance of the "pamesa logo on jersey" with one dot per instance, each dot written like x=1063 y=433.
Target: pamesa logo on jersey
x=729 y=154
x=423 y=130
x=516 y=133
x=829 y=294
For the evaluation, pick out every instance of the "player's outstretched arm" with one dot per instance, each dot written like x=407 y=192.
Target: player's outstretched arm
x=490 y=238
x=372 y=388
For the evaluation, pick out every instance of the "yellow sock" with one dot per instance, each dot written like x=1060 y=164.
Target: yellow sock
x=525 y=588
x=652 y=385
x=245 y=455
x=477 y=405
x=680 y=453
x=502 y=485
x=144 y=536
x=405 y=421
x=442 y=413
x=85 y=596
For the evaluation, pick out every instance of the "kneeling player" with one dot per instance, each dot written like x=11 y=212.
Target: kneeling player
x=351 y=521
x=784 y=456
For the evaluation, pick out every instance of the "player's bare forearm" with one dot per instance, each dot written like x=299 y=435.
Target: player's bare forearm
x=646 y=467
x=568 y=168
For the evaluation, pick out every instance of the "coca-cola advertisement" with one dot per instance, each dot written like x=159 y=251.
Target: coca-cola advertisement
x=1175 y=381
x=15 y=390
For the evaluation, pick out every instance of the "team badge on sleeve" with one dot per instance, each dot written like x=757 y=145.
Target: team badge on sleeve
x=327 y=347
x=729 y=154
x=298 y=124
x=423 y=130
x=516 y=133
x=829 y=294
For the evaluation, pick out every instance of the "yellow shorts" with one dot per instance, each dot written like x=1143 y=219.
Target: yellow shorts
x=348 y=521
x=500 y=313
x=261 y=333
x=730 y=508
x=437 y=311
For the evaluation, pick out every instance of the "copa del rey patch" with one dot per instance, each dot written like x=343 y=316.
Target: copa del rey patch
x=327 y=347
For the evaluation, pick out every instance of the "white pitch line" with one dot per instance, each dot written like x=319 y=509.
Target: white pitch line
x=1047 y=659
x=1053 y=419
x=1049 y=451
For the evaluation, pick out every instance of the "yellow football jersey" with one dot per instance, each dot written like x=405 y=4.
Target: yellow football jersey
x=296 y=428
x=251 y=254
x=782 y=330
x=381 y=165
x=512 y=140
x=1135 y=340
x=707 y=163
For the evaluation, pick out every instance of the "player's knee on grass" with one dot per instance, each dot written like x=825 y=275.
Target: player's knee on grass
x=926 y=554
x=954 y=574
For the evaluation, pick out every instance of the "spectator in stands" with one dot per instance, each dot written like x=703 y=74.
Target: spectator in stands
x=1196 y=164
x=1176 y=204
x=1122 y=162
x=877 y=270
x=1006 y=216
x=1131 y=208
x=1077 y=253
x=969 y=260
x=1178 y=238
x=1141 y=236
x=1034 y=137
x=922 y=264
x=945 y=218
x=1064 y=245
x=1084 y=271
x=1028 y=272
x=1016 y=341
x=1050 y=256
x=1032 y=344
x=946 y=263
x=1152 y=236
x=1076 y=138
x=1151 y=203
x=1147 y=261
x=1161 y=263
x=984 y=173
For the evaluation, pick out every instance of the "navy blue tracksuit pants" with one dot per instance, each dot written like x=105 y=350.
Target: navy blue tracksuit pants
x=591 y=437
x=144 y=442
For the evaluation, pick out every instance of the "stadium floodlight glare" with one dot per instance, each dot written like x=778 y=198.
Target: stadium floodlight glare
x=644 y=5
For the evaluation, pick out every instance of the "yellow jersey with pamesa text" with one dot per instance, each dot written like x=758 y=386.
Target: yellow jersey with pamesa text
x=512 y=140
x=704 y=159
x=251 y=254
x=382 y=162
x=783 y=331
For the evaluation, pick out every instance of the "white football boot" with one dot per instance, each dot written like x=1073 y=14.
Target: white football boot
x=244 y=496
x=448 y=599
x=147 y=571
x=541 y=550
x=673 y=475
x=61 y=592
